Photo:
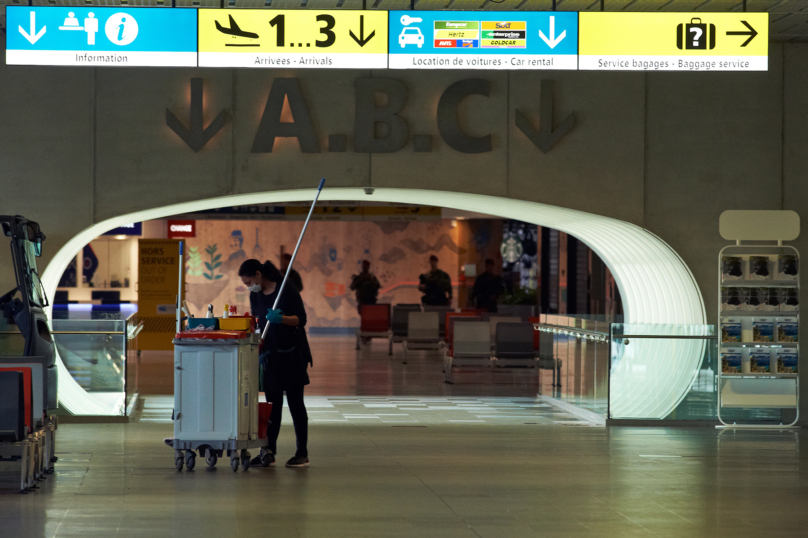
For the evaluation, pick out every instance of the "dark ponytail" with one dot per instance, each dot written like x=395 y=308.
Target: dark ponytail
x=267 y=270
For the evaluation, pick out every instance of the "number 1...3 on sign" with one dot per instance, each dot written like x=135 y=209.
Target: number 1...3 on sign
x=279 y=24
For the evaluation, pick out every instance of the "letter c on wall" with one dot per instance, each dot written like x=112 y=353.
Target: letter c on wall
x=448 y=125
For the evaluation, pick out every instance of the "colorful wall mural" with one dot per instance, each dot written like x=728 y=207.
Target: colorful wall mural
x=330 y=254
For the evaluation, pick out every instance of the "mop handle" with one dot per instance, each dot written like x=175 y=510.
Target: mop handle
x=294 y=254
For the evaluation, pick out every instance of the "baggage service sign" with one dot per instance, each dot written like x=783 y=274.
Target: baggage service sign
x=621 y=41
x=292 y=38
x=483 y=40
x=100 y=36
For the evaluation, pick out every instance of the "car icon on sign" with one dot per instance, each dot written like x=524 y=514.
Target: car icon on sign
x=411 y=36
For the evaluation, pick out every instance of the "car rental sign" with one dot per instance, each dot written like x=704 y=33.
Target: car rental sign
x=483 y=40
x=623 y=41
x=100 y=36
x=303 y=38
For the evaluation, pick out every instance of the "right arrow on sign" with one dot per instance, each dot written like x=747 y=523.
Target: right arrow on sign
x=361 y=39
x=552 y=41
x=751 y=33
x=545 y=137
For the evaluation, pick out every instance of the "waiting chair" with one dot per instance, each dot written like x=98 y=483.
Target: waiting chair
x=470 y=346
x=423 y=332
x=495 y=320
x=514 y=345
x=375 y=322
x=399 y=322
x=442 y=310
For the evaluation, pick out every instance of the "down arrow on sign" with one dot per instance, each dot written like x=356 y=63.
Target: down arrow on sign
x=196 y=137
x=545 y=137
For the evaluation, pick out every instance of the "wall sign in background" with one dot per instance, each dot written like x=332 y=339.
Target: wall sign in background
x=292 y=38
x=483 y=40
x=100 y=36
x=618 y=41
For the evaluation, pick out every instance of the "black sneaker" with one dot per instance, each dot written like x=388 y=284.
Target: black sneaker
x=169 y=441
x=265 y=458
x=298 y=461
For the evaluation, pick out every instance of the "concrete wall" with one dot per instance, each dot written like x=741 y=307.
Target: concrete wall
x=666 y=151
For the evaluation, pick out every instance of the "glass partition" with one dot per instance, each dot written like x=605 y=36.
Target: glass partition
x=639 y=351
x=578 y=350
x=94 y=352
x=12 y=342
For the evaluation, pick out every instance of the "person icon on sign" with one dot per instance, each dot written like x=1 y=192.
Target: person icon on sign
x=91 y=27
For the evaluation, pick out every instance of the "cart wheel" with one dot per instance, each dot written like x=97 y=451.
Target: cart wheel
x=190 y=460
x=245 y=461
x=210 y=458
x=178 y=462
x=234 y=463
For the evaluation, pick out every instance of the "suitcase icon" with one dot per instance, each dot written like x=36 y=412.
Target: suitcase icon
x=695 y=35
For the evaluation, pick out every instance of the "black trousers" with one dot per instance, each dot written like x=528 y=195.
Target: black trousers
x=300 y=419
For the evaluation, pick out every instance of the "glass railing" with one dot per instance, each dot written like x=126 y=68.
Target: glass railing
x=663 y=372
x=578 y=349
x=12 y=342
x=95 y=352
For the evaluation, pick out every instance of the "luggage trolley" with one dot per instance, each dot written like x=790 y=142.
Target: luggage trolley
x=216 y=397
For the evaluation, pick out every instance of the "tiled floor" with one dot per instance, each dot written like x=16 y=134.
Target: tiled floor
x=396 y=453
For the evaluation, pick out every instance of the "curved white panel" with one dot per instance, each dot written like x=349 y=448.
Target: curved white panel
x=655 y=284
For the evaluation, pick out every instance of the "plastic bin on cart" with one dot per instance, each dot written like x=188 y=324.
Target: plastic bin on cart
x=216 y=397
x=237 y=323
x=208 y=323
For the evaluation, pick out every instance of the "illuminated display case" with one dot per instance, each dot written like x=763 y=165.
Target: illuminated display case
x=759 y=326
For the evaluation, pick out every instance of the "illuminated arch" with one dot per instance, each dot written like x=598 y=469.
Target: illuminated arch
x=655 y=285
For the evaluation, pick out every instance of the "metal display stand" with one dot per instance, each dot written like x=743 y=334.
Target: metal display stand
x=751 y=390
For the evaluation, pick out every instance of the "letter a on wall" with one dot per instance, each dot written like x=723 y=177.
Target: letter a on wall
x=271 y=125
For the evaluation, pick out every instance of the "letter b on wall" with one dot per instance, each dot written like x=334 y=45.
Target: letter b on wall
x=368 y=116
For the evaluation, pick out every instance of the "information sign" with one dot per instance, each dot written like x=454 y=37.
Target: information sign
x=623 y=41
x=483 y=40
x=100 y=36
x=300 y=38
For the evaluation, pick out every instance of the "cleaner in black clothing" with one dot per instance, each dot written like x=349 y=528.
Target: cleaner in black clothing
x=285 y=357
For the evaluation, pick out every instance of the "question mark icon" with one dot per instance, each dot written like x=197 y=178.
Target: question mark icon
x=697 y=36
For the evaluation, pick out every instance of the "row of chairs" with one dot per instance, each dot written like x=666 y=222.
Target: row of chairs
x=27 y=435
x=468 y=337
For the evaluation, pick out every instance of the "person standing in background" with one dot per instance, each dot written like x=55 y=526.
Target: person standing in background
x=366 y=286
x=436 y=285
x=294 y=276
x=487 y=288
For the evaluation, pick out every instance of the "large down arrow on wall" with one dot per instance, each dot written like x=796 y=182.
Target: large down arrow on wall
x=545 y=137
x=196 y=136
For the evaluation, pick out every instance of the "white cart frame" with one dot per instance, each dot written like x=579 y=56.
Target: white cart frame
x=749 y=379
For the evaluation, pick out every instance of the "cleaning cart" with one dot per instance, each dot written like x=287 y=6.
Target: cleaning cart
x=216 y=397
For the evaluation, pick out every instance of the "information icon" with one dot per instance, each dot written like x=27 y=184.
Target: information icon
x=121 y=28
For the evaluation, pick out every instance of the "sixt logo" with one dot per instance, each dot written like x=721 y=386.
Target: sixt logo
x=503 y=25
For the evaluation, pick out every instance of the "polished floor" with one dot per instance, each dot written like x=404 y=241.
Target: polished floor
x=396 y=453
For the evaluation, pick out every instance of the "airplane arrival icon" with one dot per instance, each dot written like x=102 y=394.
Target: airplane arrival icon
x=235 y=31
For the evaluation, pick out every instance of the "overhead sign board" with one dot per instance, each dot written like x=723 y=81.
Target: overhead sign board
x=483 y=40
x=303 y=38
x=100 y=36
x=624 y=41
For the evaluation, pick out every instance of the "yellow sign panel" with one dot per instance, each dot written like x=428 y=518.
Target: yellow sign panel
x=158 y=275
x=673 y=41
x=292 y=38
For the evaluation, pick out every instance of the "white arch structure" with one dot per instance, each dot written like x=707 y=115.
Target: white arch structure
x=656 y=286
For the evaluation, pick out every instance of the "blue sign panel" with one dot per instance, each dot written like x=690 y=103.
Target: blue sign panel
x=483 y=40
x=100 y=36
x=136 y=228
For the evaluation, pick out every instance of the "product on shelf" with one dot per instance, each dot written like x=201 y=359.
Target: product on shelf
x=760 y=299
x=789 y=301
x=787 y=330
x=787 y=267
x=734 y=298
x=732 y=268
x=731 y=330
x=760 y=362
x=787 y=361
x=759 y=268
x=731 y=361
x=762 y=330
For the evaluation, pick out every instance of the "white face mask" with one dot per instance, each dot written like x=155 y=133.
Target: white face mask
x=255 y=288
